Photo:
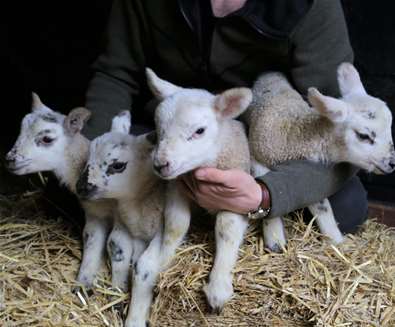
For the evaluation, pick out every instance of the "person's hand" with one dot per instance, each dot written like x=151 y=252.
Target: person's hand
x=215 y=189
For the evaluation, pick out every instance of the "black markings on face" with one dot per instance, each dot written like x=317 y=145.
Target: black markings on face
x=145 y=276
x=116 y=167
x=371 y=115
x=116 y=251
x=367 y=136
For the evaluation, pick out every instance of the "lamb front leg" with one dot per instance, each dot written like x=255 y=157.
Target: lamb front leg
x=229 y=233
x=326 y=220
x=120 y=250
x=158 y=255
x=146 y=271
x=94 y=238
x=177 y=218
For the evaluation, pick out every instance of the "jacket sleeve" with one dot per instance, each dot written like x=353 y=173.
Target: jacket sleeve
x=297 y=184
x=319 y=44
x=118 y=70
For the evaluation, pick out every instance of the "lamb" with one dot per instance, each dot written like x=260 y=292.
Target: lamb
x=120 y=168
x=355 y=128
x=50 y=141
x=196 y=128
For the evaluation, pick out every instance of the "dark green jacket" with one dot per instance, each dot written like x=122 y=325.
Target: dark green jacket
x=182 y=43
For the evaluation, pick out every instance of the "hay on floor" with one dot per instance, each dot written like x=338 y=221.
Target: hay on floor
x=312 y=284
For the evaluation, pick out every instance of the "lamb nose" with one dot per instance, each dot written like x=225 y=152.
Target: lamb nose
x=159 y=167
x=85 y=189
x=9 y=160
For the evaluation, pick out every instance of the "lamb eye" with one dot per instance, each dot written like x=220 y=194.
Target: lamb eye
x=47 y=140
x=364 y=137
x=200 y=130
x=118 y=167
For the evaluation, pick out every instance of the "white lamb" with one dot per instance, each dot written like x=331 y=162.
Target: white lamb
x=355 y=128
x=194 y=129
x=120 y=168
x=50 y=141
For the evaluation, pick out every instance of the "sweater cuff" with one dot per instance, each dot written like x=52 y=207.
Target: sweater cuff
x=278 y=202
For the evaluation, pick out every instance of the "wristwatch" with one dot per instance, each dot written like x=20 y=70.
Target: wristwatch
x=264 y=207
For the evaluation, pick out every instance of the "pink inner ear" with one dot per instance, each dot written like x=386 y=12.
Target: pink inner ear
x=227 y=106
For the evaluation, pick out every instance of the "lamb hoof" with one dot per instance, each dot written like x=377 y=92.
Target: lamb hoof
x=137 y=324
x=79 y=289
x=215 y=311
x=276 y=248
x=218 y=293
x=119 y=307
x=337 y=239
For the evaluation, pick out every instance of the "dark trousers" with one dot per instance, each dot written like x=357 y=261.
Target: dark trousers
x=350 y=205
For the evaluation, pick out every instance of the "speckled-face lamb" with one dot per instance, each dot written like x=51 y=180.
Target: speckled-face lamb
x=50 y=141
x=120 y=168
x=196 y=128
x=355 y=128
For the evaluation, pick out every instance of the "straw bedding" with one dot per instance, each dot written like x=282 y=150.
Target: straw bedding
x=311 y=284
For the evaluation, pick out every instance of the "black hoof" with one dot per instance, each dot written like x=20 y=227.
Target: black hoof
x=276 y=248
x=215 y=310
x=79 y=289
x=119 y=307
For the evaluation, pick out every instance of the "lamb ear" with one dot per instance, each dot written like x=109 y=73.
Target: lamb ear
x=349 y=80
x=121 y=123
x=37 y=104
x=75 y=120
x=233 y=102
x=333 y=109
x=159 y=87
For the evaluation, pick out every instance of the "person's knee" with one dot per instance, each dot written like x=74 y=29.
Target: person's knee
x=350 y=206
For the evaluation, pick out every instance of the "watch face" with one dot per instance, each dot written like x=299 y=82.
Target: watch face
x=260 y=213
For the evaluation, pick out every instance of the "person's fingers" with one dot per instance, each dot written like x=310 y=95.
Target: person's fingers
x=212 y=175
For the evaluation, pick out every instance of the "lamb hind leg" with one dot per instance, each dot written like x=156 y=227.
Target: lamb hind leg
x=94 y=238
x=229 y=232
x=326 y=220
x=273 y=228
x=274 y=234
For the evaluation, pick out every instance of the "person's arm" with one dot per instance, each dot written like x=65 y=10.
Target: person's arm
x=117 y=71
x=297 y=184
x=320 y=43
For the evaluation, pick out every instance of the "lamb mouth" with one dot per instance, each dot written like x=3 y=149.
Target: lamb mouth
x=380 y=170
x=15 y=168
x=171 y=174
